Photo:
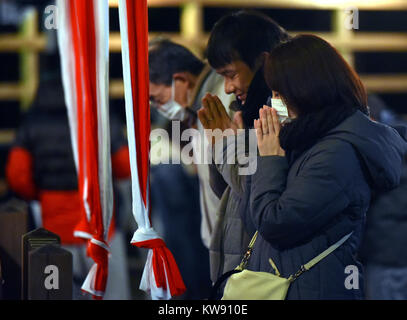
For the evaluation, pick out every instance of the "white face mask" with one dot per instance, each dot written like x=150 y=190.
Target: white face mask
x=281 y=109
x=172 y=110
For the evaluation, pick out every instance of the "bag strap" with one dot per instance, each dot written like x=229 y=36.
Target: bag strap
x=303 y=268
x=214 y=294
x=248 y=253
x=319 y=257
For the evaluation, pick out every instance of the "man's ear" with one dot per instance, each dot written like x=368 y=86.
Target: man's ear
x=181 y=76
x=184 y=77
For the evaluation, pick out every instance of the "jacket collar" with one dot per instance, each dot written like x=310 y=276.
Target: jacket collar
x=257 y=96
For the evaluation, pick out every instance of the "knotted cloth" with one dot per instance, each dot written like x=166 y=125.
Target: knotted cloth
x=83 y=40
x=161 y=277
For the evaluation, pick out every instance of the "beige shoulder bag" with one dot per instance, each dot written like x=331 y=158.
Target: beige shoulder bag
x=244 y=284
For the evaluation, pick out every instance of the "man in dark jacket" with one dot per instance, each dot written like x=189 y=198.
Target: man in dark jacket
x=237 y=48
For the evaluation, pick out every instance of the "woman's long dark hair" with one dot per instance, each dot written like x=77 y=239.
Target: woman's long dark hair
x=311 y=75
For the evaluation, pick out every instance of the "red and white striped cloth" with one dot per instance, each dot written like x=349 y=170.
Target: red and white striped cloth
x=161 y=277
x=83 y=40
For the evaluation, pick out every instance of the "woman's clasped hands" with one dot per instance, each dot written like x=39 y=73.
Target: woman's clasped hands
x=267 y=131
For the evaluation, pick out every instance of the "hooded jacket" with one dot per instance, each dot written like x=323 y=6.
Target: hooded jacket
x=385 y=238
x=302 y=205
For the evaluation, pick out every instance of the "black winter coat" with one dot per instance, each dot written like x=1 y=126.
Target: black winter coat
x=302 y=208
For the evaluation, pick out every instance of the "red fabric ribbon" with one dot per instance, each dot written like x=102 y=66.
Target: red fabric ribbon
x=163 y=258
x=163 y=261
x=101 y=257
x=82 y=20
x=137 y=23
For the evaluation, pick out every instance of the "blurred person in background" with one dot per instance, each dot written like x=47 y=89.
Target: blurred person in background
x=41 y=167
x=383 y=249
x=178 y=81
x=237 y=48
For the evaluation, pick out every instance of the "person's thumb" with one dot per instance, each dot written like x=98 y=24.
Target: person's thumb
x=238 y=119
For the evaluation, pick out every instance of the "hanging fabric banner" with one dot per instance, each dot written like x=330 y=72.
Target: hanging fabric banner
x=161 y=277
x=83 y=40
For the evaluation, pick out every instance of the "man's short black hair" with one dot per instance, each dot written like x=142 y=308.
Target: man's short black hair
x=243 y=35
x=167 y=58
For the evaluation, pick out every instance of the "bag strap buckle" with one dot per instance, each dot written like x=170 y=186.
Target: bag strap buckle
x=248 y=253
x=245 y=259
x=297 y=274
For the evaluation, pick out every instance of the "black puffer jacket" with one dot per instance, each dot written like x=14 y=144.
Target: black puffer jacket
x=300 y=208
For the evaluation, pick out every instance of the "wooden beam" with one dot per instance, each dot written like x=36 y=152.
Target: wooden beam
x=29 y=60
x=116 y=88
x=307 y=4
x=360 y=41
x=385 y=83
x=340 y=32
x=285 y=4
x=191 y=43
x=192 y=25
x=378 y=41
x=10 y=91
x=382 y=83
x=13 y=43
x=7 y=136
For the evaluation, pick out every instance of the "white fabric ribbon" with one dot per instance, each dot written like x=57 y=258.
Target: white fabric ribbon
x=148 y=283
x=89 y=283
x=145 y=231
x=144 y=234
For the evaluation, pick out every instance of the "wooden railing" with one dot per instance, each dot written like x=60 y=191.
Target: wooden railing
x=29 y=42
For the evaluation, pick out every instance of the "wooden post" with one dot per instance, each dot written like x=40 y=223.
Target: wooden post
x=343 y=34
x=31 y=241
x=29 y=61
x=1 y=282
x=49 y=273
x=192 y=26
x=13 y=224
